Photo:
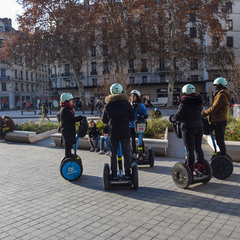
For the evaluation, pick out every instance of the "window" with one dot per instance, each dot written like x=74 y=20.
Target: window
x=194 y=78
x=45 y=68
x=193 y=32
x=46 y=79
x=36 y=77
x=132 y=80
x=40 y=78
x=105 y=50
x=67 y=69
x=93 y=51
x=42 y=68
x=22 y=87
x=229 y=25
x=215 y=42
x=21 y=73
x=4 y=87
x=105 y=67
x=194 y=64
x=144 y=65
x=27 y=87
x=26 y=75
x=31 y=76
x=94 y=81
x=162 y=78
x=94 y=68
x=39 y=68
x=229 y=7
x=229 y=41
x=161 y=64
x=16 y=86
x=131 y=66
x=16 y=74
x=192 y=17
x=32 y=88
x=3 y=72
x=144 y=79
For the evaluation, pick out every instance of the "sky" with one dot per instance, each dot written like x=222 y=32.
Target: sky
x=9 y=9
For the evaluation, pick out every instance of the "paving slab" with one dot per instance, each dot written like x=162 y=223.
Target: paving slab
x=37 y=203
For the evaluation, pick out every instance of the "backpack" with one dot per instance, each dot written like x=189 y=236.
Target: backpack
x=83 y=127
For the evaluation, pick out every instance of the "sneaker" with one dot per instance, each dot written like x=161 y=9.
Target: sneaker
x=134 y=155
x=127 y=175
x=115 y=177
x=197 y=173
x=101 y=152
x=108 y=153
x=91 y=150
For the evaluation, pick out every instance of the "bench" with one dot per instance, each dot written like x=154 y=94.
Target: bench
x=28 y=110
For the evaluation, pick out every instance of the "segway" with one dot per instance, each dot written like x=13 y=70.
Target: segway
x=121 y=181
x=222 y=166
x=140 y=126
x=71 y=168
x=181 y=173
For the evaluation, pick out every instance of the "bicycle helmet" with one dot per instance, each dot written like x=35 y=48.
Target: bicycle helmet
x=66 y=97
x=116 y=88
x=220 y=80
x=136 y=92
x=188 y=89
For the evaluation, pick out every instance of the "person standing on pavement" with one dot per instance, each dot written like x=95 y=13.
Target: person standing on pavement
x=189 y=114
x=139 y=110
x=117 y=114
x=44 y=112
x=7 y=125
x=92 y=106
x=218 y=112
x=68 y=119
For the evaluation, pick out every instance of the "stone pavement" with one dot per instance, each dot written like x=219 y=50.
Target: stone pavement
x=37 y=203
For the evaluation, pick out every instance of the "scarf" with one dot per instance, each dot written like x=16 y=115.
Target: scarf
x=67 y=104
x=192 y=94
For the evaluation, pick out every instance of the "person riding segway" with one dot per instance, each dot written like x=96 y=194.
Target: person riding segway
x=117 y=114
x=218 y=116
x=139 y=126
x=189 y=117
x=71 y=164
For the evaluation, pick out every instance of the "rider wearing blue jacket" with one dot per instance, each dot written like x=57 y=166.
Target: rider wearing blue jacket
x=139 y=110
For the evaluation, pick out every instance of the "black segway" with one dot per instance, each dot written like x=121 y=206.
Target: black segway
x=182 y=174
x=222 y=166
x=71 y=168
x=140 y=126
x=121 y=181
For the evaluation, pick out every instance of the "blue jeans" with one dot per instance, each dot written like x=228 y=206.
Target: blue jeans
x=96 y=142
x=102 y=143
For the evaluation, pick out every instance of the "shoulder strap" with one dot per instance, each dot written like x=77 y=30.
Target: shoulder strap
x=139 y=110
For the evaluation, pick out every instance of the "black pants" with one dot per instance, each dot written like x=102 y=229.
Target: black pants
x=133 y=136
x=125 y=152
x=219 y=135
x=68 y=149
x=192 y=139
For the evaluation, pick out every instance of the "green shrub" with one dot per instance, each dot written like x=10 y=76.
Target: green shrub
x=35 y=127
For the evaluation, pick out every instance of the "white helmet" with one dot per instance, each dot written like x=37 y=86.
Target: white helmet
x=66 y=97
x=220 y=80
x=188 y=89
x=136 y=92
x=116 y=88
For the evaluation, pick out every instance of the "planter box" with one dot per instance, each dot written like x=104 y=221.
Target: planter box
x=27 y=136
x=159 y=145
x=233 y=148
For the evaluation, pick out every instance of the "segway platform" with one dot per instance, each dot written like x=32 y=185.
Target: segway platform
x=121 y=182
x=182 y=175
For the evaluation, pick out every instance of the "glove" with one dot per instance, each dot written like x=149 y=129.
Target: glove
x=204 y=114
x=145 y=116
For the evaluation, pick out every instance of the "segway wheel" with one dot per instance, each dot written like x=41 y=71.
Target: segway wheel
x=71 y=169
x=106 y=176
x=181 y=175
x=208 y=171
x=135 y=175
x=219 y=154
x=222 y=167
x=151 y=157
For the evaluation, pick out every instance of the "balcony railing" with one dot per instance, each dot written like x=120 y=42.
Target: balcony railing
x=93 y=72
x=53 y=75
x=144 y=70
x=131 y=70
x=67 y=74
x=161 y=70
x=5 y=78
